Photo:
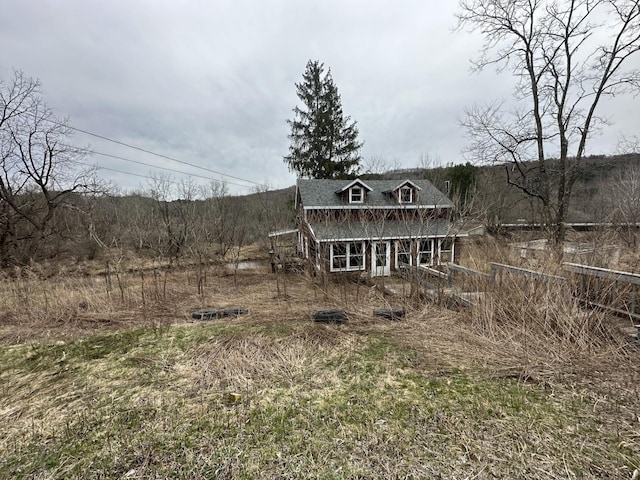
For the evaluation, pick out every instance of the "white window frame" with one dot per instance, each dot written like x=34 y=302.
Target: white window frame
x=404 y=252
x=429 y=252
x=450 y=252
x=348 y=256
x=352 y=198
x=400 y=193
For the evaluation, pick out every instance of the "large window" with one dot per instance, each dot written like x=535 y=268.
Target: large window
x=425 y=252
x=356 y=195
x=406 y=195
x=403 y=253
x=446 y=250
x=347 y=256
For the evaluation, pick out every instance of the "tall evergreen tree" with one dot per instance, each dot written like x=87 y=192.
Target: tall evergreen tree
x=324 y=142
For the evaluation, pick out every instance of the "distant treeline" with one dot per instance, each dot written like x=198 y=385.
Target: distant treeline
x=212 y=223
x=207 y=225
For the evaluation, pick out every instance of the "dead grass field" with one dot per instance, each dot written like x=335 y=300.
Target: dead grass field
x=111 y=378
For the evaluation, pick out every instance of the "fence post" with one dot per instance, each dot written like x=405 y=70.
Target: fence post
x=494 y=270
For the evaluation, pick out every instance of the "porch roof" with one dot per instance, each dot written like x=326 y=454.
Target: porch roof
x=388 y=230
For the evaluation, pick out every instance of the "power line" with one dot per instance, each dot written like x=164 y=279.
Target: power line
x=145 y=164
x=161 y=155
x=58 y=122
x=114 y=170
x=148 y=176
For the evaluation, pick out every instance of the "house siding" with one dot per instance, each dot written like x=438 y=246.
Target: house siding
x=333 y=220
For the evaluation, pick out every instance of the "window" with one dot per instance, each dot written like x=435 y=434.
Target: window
x=425 y=252
x=356 y=256
x=446 y=250
x=403 y=253
x=339 y=256
x=406 y=195
x=356 y=195
x=347 y=256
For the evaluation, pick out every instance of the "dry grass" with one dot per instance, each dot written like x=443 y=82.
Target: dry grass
x=122 y=383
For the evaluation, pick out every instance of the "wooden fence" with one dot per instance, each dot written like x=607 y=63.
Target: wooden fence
x=463 y=276
x=603 y=288
x=611 y=290
x=426 y=277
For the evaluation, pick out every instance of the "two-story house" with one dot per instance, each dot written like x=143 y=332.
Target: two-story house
x=373 y=225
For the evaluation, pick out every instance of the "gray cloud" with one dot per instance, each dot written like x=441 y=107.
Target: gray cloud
x=212 y=83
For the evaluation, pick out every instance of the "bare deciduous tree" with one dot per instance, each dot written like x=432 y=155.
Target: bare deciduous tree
x=176 y=206
x=566 y=56
x=39 y=172
x=626 y=208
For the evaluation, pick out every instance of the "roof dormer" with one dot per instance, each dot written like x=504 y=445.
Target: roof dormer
x=406 y=192
x=355 y=191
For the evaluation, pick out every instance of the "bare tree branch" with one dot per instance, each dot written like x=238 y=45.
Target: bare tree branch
x=566 y=57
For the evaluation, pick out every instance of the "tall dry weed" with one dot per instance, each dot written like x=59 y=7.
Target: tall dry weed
x=538 y=320
x=543 y=322
x=62 y=306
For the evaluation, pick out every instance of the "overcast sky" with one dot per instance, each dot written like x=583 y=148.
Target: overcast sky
x=212 y=82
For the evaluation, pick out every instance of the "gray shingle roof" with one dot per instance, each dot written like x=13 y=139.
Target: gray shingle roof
x=387 y=230
x=322 y=193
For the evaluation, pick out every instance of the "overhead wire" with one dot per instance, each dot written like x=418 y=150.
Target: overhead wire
x=94 y=152
x=118 y=171
x=160 y=155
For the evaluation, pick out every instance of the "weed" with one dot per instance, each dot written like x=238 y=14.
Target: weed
x=440 y=394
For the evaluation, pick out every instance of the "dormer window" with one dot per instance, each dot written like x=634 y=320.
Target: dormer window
x=406 y=195
x=354 y=192
x=406 y=192
x=356 y=195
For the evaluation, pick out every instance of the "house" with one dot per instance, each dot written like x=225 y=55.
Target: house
x=374 y=225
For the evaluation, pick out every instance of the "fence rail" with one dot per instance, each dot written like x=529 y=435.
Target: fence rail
x=425 y=276
x=626 y=277
x=452 y=267
x=531 y=274
x=608 y=289
x=611 y=290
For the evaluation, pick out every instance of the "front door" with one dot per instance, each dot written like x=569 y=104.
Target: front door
x=381 y=259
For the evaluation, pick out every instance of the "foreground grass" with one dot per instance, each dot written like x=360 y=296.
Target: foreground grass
x=255 y=399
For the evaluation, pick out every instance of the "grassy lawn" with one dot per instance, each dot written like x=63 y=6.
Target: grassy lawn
x=274 y=395
x=296 y=400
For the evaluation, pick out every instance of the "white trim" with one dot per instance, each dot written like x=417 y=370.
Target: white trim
x=312 y=232
x=351 y=200
x=411 y=195
x=283 y=232
x=399 y=186
x=397 y=244
x=380 y=270
x=414 y=250
x=352 y=183
x=451 y=252
x=347 y=257
x=394 y=237
x=419 y=251
x=318 y=256
x=377 y=207
x=570 y=224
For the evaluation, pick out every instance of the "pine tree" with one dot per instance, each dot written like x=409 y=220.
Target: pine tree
x=324 y=142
